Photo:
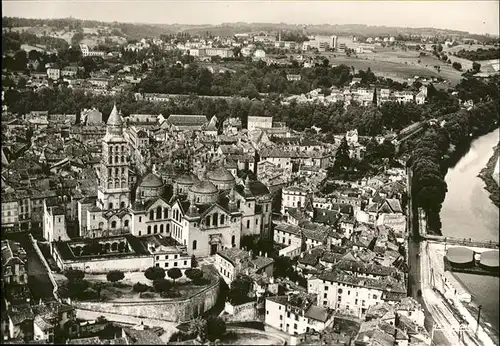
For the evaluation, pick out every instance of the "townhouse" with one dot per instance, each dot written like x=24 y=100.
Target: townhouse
x=354 y=294
x=296 y=314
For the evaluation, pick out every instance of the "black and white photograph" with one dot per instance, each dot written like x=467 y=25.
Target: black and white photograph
x=250 y=172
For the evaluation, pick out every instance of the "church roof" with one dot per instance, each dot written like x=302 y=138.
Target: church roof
x=220 y=174
x=189 y=178
x=151 y=180
x=204 y=187
x=114 y=118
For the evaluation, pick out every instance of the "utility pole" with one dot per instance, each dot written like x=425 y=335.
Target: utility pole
x=478 y=317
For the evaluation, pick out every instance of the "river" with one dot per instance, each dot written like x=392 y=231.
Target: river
x=468 y=212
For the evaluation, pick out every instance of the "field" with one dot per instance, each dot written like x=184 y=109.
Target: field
x=398 y=65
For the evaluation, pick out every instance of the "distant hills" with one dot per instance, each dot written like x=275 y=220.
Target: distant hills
x=140 y=30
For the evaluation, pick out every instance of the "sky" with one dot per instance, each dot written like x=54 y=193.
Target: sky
x=478 y=17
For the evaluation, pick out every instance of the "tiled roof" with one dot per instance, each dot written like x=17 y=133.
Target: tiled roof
x=318 y=313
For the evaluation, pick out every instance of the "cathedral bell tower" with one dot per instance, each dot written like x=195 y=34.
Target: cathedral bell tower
x=113 y=191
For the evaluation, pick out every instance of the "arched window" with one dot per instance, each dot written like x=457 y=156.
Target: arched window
x=110 y=205
x=165 y=213
x=158 y=213
x=125 y=223
x=233 y=241
x=215 y=219
x=222 y=217
x=207 y=221
x=161 y=228
x=155 y=229
x=238 y=204
x=111 y=159
x=122 y=204
x=149 y=229
x=116 y=159
x=151 y=214
x=168 y=228
x=116 y=169
x=194 y=244
x=122 y=159
x=113 y=224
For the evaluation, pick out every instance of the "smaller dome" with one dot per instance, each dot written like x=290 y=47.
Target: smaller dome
x=220 y=174
x=204 y=187
x=151 y=180
x=189 y=178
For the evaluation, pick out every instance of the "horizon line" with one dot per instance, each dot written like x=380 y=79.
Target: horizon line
x=274 y=23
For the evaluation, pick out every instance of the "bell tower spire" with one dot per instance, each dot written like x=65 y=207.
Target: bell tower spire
x=113 y=191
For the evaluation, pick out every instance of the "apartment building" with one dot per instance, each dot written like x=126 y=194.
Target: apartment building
x=297 y=314
x=353 y=294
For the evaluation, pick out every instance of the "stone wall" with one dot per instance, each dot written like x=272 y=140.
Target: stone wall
x=176 y=310
x=241 y=313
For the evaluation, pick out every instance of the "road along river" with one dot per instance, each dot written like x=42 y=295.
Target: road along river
x=468 y=212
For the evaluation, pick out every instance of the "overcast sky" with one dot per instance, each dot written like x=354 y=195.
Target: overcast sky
x=473 y=16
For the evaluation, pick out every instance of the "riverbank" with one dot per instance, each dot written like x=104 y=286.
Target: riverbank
x=487 y=327
x=487 y=175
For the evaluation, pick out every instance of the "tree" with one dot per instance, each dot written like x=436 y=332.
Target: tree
x=74 y=274
x=194 y=262
x=115 y=276
x=194 y=274
x=154 y=273
x=21 y=84
x=140 y=287
x=342 y=159
x=162 y=285
x=476 y=67
x=240 y=288
x=216 y=327
x=77 y=38
x=198 y=328
x=174 y=273
x=457 y=66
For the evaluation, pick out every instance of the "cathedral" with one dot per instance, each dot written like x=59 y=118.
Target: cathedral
x=205 y=214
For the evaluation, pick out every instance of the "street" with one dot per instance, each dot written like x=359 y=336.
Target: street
x=415 y=270
x=38 y=279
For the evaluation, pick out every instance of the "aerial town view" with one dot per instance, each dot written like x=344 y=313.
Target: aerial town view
x=250 y=173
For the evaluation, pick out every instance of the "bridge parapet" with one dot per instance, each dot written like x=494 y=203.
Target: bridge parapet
x=462 y=241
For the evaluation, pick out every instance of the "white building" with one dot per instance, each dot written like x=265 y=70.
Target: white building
x=54 y=73
x=259 y=54
x=259 y=122
x=231 y=262
x=294 y=197
x=354 y=294
x=297 y=314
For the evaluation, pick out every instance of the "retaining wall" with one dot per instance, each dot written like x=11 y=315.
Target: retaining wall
x=174 y=310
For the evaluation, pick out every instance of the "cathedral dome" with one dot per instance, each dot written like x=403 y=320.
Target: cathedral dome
x=187 y=179
x=150 y=187
x=204 y=187
x=151 y=180
x=220 y=174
